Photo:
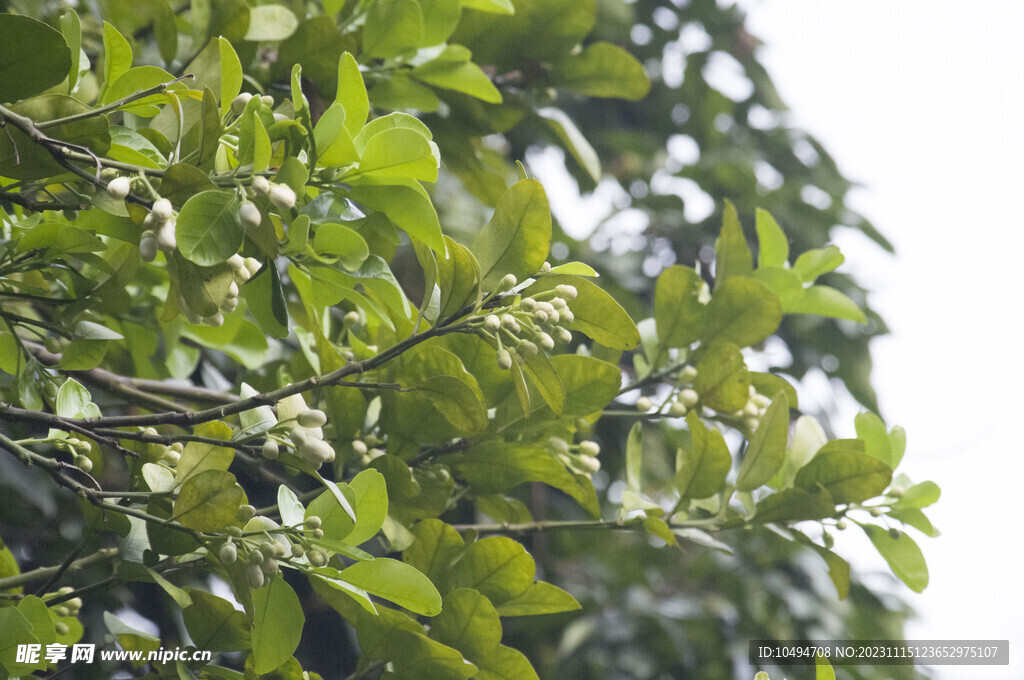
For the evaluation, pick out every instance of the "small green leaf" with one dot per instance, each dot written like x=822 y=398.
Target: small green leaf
x=208 y=232
x=741 y=311
x=200 y=456
x=813 y=263
x=435 y=548
x=208 y=501
x=345 y=243
x=915 y=518
x=407 y=205
x=452 y=70
x=352 y=94
x=214 y=624
x=733 y=254
x=767 y=449
x=602 y=70
x=456 y=401
x=371 y=496
x=773 y=246
x=277 y=625
x=679 y=314
x=266 y=301
x=572 y=140
x=850 y=476
x=397 y=582
x=458 y=277
x=542 y=375
x=392 y=27
x=539 y=598
x=920 y=495
x=723 y=381
x=795 y=505
x=82 y=355
x=903 y=555
x=469 y=623
x=117 y=56
x=499 y=567
x=701 y=466
x=398 y=153
x=825 y=301
x=270 y=22
x=517 y=238
x=634 y=457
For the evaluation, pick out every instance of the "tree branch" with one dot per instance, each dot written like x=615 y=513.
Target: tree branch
x=18 y=580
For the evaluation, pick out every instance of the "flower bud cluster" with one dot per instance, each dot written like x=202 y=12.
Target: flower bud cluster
x=368 y=449
x=305 y=431
x=582 y=457
x=79 y=451
x=281 y=195
x=72 y=607
x=160 y=230
x=530 y=325
x=261 y=545
x=242 y=269
x=754 y=409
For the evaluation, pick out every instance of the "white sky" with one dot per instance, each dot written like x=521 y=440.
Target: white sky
x=923 y=103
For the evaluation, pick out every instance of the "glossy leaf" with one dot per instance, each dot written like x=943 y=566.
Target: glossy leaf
x=539 y=598
x=200 y=456
x=517 y=237
x=741 y=311
x=677 y=311
x=397 y=582
x=270 y=22
x=392 y=27
x=602 y=70
x=33 y=57
x=767 y=449
x=498 y=567
x=701 y=466
x=597 y=314
x=902 y=554
x=277 y=624
x=208 y=501
x=208 y=232
x=436 y=546
x=723 y=380
x=850 y=476
x=214 y=624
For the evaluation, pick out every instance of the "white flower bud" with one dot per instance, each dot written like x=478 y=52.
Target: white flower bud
x=249 y=215
x=350 y=319
x=677 y=409
x=841 y=525
x=750 y=409
x=228 y=553
x=504 y=359
x=492 y=323
x=252 y=265
x=528 y=347
x=567 y=291
x=151 y=222
x=688 y=397
x=172 y=457
x=528 y=303
x=509 y=322
x=558 y=303
x=589 y=463
x=215 y=320
x=233 y=290
x=312 y=418
x=643 y=404
x=554 y=316
x=751 y=422
x=564 y=336
x=317 y=558
x=558 y=445
x=359 y=447
x=166 y=238
x=282 y=196
x=374 y=453
x=567 y=315
x=546 y=267
x=239 y=102
x=313 y=522
x=119 y=187
x=507 y=281
x=176 y=446
x=688 y=374
x=267 y=100
x=255 y=575
x=546 y=342
x=270 y=450
x=163 y=210
x=540 y=316
x=590 y=448
x=147 y=246
x=261 y=185
x=84 y=463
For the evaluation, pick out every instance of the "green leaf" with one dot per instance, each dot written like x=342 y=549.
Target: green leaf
x=812 y=264
x=850 y=476
x=371 y=495
x=333 y=139
x=469 y=623
x=33 y=57
x=577 y=268
x=517 y=238
x=436 y=546
x=496 y=466
x=589 y=384
x=723 y=381
x=345 y=243
x=507 y=664
x=902 y=554
x=542 y=375
x=455 y=401
x=825 y=301
x=82 y=355
x=16 y=630
x=398 y=153
x=208 y=501
x=458 y=277
x=214 y=624
x=767 y=449
x=741 y=311
x=71 y=29
x=733 y=254
x=572 y=140
x=10 y=354
x=795 y=505
x=208 y=230
x=352 y=94
x=408 y=206
x=635 y=457
x=36 y=613
x=392 y=27
x=499 y=567
x=270 y=22
x=915 y=518
x=439 y=20
x=204 y=288
x=140 y=78
x=539 y=598
x=277 y=625
x=200 y=456
x=773 y=246
x=266 y=301
x=337 y=522
x=871 y=430
x=397 y=582
x=920 y=495
x=679 y=314
x=597 y=314
x=117 y=56
x=452 y=70
x=495 y=6
x=701 y=466
x=602 y=70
